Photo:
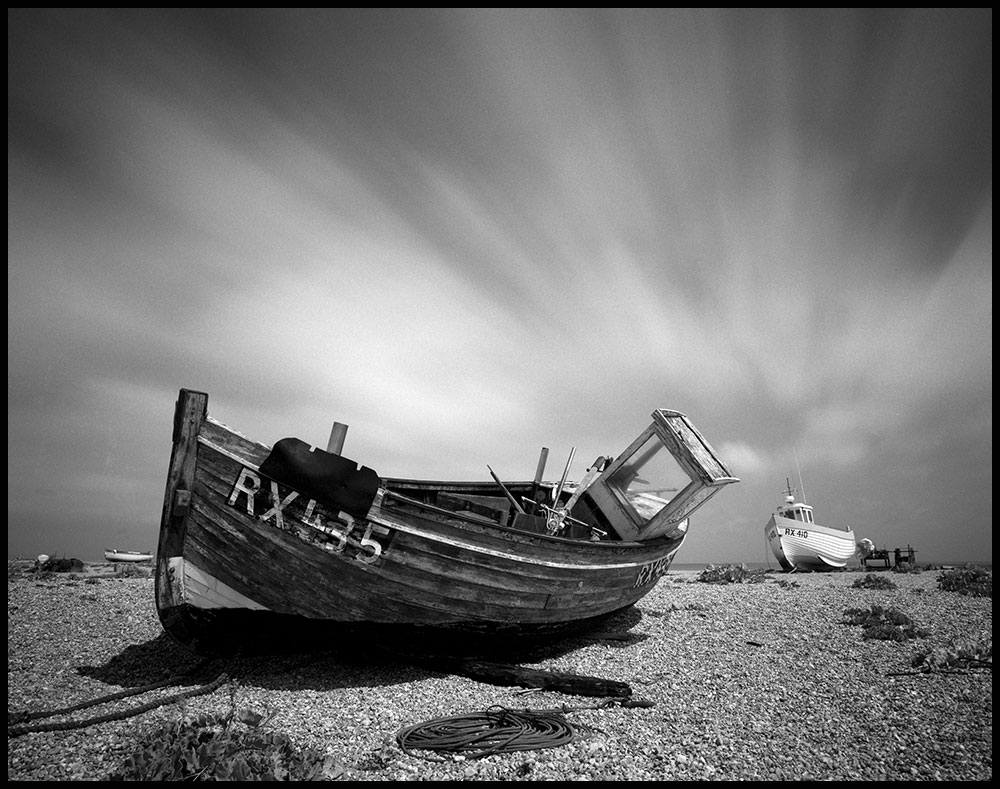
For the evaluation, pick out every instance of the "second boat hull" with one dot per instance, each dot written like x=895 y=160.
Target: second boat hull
x=114 y=555
x=808 y=547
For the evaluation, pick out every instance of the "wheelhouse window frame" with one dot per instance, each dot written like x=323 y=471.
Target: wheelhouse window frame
x=692 y=454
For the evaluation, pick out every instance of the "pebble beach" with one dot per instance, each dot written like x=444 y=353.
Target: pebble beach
x=740 y=681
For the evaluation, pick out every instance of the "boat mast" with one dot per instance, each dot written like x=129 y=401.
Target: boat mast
x=562 y=482
x=802 y=488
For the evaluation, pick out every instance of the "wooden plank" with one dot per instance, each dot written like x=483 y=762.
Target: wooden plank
x=493 y=510
x=702 y=458
x=203 y=590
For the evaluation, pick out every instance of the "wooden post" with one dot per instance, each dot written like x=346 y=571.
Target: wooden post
x=539 y=472
x=336 y=443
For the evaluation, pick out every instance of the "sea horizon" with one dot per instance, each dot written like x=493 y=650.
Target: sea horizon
x=697 y=566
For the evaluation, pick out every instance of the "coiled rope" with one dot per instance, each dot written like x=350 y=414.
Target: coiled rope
x=498 y=730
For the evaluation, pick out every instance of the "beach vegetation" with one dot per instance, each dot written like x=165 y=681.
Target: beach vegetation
x=697 y=607
x=58 y=565
x=885 y=624
x=968 y=580
x=132 y=570
x=731 y=574
x=873 y=581
x=957 y=655
x=237 y=746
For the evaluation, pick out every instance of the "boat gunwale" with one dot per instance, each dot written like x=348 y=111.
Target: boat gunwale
x=832 y=531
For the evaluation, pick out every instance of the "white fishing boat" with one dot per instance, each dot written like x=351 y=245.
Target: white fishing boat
x=799 y=543
x=117 y=555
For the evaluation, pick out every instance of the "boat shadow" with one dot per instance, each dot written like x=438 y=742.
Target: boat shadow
x=163 y=659
x=360 y=663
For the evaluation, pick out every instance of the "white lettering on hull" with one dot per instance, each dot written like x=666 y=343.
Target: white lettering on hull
x=338 y=533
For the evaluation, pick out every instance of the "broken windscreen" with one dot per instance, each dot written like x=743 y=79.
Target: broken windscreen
x=649 y=479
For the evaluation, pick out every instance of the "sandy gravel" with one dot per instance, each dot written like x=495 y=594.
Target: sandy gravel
x=759 y=681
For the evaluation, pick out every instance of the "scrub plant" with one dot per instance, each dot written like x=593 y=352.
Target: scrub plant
x=232 y=747
x=873 y=581
x=968 y=580
x=731 y=574
x=885 y=624
x=957 y=655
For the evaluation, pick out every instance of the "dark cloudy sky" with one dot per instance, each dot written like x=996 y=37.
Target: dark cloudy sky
x=471 y=234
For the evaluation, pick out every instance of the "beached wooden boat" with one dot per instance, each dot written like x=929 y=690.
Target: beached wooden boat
x=117 y=555
x=799 y=543
x=298 y=544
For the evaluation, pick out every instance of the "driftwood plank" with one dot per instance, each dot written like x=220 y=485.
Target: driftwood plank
x=559 y=681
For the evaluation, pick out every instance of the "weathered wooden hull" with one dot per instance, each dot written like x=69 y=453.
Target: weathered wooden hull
x=811 y=547
x=243 y=559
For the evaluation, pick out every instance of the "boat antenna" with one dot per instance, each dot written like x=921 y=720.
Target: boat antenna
x=562 y=482
x=802 y=488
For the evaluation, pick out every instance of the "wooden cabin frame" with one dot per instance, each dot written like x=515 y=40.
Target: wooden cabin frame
x=700 y=471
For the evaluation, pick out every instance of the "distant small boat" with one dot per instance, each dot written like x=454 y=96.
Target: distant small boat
x=115 y=555
x=799 y=543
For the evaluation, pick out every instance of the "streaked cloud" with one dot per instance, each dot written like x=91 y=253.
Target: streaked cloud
x=472 y=233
